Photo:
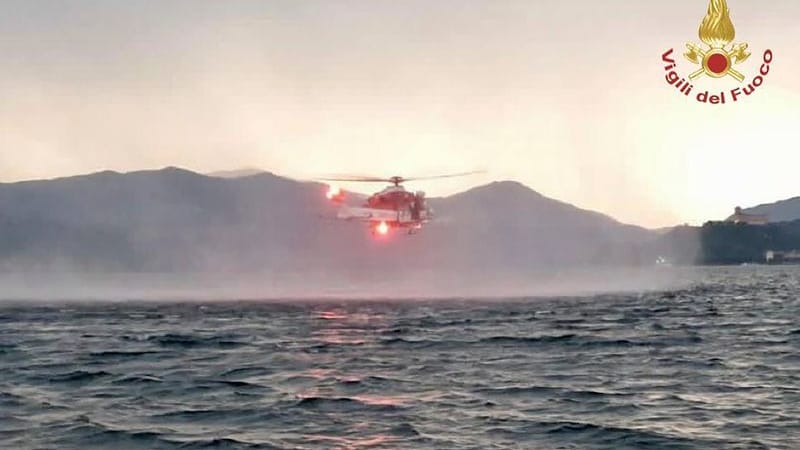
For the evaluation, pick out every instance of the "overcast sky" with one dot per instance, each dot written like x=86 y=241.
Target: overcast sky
x=567 y=97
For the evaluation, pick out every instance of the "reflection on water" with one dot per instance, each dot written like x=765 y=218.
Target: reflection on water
x=337 y=385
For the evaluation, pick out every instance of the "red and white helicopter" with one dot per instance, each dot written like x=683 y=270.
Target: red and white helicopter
x=391 y=208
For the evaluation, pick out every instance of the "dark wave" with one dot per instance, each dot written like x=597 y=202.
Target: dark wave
x=192 y=414
x=209 y=415
x=522 y=391
x=246 y=372
x=619 y=437
x=9 y=400
x=226 y=443
x=529 y=340
x=564 y=339
x=190 y=341
x=240 y=384
x=92 y=434
x=342 y=404
x=121 y=354
x=405 y=429
x=416 y=342
x=595 y=435
x=7 y=348
x=78 y=375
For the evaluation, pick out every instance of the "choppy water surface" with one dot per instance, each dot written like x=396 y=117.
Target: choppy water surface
x=713 y=366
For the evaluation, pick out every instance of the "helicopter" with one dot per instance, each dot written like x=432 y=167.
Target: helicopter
x=391 y=208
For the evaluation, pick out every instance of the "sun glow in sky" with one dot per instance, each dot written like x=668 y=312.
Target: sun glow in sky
x=568 y=98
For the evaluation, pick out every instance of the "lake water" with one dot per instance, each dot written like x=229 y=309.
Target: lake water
x=714 y=364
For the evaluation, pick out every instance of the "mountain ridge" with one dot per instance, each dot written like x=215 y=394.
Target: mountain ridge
x=785 y=210
x=257 y=172
x=173 y=219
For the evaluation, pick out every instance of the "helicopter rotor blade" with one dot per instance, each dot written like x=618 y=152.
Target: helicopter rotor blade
x=394 y=179
x=355 y=178
x=450 y=175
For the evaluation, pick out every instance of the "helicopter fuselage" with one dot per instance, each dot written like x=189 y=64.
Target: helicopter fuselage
x=392 y=207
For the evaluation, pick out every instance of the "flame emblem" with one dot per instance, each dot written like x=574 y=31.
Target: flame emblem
x=717 y=32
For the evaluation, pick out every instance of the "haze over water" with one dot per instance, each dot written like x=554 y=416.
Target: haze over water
x=711 y=365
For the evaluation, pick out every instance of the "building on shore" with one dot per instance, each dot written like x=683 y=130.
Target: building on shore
x=740 y=216
x=782 y=257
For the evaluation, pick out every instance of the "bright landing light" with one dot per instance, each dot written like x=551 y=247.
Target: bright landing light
x=382 y=228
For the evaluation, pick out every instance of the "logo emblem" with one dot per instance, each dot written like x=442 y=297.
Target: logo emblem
x=717 y=32
x=718 y=57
